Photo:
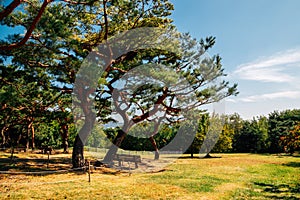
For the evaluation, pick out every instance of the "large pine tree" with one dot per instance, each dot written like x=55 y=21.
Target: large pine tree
x=59 y=35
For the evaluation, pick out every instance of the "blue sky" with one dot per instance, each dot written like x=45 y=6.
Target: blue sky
x=259 y=42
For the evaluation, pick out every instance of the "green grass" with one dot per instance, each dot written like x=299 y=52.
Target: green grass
x=273 y=181
x=234 y=176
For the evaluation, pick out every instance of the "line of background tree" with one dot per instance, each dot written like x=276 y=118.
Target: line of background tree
x=277 y=133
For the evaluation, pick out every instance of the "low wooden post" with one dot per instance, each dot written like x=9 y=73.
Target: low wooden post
x=48 y=159
x=89 y=170
x=129 y=168
x=12 y=154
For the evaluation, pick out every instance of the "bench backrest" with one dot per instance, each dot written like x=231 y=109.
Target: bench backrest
x=126 y=157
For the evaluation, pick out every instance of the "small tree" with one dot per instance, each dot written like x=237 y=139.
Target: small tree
x=280 y=124
x=200 y=135
x=291 y=141
x=225 y=141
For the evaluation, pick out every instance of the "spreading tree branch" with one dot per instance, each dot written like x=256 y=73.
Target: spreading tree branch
x=9 y=9
x=30 y=29
x=78 y=2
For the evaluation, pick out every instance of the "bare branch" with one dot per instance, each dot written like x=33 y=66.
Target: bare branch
x=154 y=110
x=29 y=31
x=78 y=2
x=120 y=70
x=9 y=9
x=105 y=19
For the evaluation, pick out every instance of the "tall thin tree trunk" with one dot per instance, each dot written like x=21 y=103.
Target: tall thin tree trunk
x=3 y=135
x=28 y=137
x=152 y=140
x=65 y=137
x=32 y=136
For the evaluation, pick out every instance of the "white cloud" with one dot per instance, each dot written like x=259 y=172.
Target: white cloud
x=270 y=69
x=272 y=96
x=231 y=100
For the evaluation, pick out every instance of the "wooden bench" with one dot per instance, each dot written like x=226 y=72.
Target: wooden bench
x=46 y=150
x=18 y=149
x=21 y=148
x=121 y=158
x=95 y=164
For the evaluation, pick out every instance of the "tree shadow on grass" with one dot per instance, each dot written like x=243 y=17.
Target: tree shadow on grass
x=199 y=157
x=292 y=164
x=34 y=164
x=281 y=191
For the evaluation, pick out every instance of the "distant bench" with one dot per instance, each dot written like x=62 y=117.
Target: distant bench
x=121 y=158
x=21 y=148
x=46 y=150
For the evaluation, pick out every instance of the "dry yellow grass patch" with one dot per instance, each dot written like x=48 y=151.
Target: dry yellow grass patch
x=234 y=176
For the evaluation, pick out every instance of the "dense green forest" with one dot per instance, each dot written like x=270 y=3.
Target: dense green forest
x=276 y=133
x=279 y=132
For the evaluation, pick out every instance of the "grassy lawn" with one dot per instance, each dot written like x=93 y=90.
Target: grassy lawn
x=233 y=176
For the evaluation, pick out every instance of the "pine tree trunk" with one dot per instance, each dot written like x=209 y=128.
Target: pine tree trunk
x=66 y=145
x=156 y=156
x=65 y=137
x=27 y=139
x=207 y=156
x=77 y=155
x=114 y=148
x=3 y=136
x=32 y=136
